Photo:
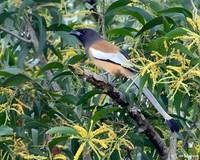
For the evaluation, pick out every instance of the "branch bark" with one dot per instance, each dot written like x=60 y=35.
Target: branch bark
x=134 y=112
x=173 y=146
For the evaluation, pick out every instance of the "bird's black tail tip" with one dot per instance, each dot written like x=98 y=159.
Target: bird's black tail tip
x=173 y=125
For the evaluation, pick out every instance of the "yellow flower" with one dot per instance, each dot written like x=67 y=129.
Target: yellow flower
x=28 y=156
x=197 y=148
x=166 y=45
x=79 y=151
x=191 y=22
x=194 y=72
x=100 y=130
x=121 y=141
x=198 y=23
x=83 y=133
x=6 y=90
x=80 y=13
x=3 y=107
x=70 y=52
x=175 y=68
x=93 y=139
x=16 y=3
x=59 y=157
x=102 y=142
x=153 y=68
x=18 y=108
x=78 y=26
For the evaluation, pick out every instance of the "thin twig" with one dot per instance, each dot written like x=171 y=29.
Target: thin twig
x=103 y=19
x=195 y=10
x=15 y=35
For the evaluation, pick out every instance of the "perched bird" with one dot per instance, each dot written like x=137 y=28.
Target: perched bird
x=112 y=59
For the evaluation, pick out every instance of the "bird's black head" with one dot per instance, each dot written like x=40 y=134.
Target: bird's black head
x=86 y=36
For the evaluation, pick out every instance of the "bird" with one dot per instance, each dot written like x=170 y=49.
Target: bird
x=115 y=61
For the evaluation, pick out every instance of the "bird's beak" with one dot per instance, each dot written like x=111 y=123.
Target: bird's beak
x=75 y=33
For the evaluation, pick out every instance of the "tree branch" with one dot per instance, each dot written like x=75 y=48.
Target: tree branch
x=15 y=35
x=134 y=112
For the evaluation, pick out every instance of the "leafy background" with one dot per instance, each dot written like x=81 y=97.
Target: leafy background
x=47 y=112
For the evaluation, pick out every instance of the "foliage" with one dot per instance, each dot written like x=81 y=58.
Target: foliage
x=47 y=112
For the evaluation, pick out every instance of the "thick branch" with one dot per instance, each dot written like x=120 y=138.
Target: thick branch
x=134 y=112
x=173 y=146
x=15 y=35
x=150 y=132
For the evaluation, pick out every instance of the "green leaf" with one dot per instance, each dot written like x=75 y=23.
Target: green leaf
x=154 y=22
x=55 y=141
x=51 y=65
x=16 y=80
x=115 y=155
x=155 y=6
x=6 y=131
x=23 y=6
x=55 y=51
x=42 y=33
x=59 y=27
x=48 y=1
x=179 y=31
x=143 y=81
x=75 y=146
x=22 y=55
x=125 y=10
x=177 y=101
x=195 y=61
x=184 y=11
x=117 y=4
x=8 y=71
x=125 y=31
x=67 y=39
x=5 y=15
x=77 y=58
x=183 y=49
x=144 y=13
x=69 y=99
x=64 y=73
x=5 y=74
x=65 y=131
x=158 y=44
x=31 y=123
x=2 y=116
x=103 y=113
x=87 y=96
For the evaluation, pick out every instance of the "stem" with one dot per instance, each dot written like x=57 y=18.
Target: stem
x=15 y=35
x=195 y=10
x=103 y=20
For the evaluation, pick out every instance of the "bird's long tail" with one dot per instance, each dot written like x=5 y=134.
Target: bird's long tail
x=170 y=121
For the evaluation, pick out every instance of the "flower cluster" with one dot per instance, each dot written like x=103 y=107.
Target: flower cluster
x=103 y=141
